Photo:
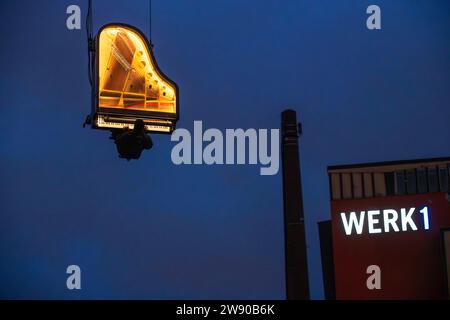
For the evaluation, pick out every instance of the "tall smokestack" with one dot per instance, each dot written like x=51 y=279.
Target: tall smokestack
x=297 y=286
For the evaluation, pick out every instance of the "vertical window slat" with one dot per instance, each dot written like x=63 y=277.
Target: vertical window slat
x=357 y=186
x=346 y=186
x=380 y=184
x=335 y=186
x=368 y=185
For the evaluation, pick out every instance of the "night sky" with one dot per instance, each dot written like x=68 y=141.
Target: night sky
x=149 y=229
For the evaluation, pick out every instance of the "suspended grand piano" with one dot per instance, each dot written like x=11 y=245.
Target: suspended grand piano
x=128 y=84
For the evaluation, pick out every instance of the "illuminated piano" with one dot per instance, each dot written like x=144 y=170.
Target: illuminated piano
x=129 y=85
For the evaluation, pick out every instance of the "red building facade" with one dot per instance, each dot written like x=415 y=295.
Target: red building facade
x=387 y=221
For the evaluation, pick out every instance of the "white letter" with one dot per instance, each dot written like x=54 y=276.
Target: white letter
x=216 y=145
x=374 y=281
x=229 y=140
x=390 y=221
x=406 y=219
x=371 y=221
x=264 y=158
x=74 y=280
x=241 y=136
x=184 y=145
x=206 y=311
x=426 y=223
x=373 y=21
x=348 y=225
x=198 y=142
x=74 y=20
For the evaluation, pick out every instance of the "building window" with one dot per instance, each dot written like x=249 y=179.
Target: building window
x=433 y=183
x=400 y=185
x=389 y=177
x=420 y=180
x=411 y=183
x=443 y=179
x=422 y=184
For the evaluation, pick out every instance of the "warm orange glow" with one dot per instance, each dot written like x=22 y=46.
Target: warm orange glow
x=128 y=79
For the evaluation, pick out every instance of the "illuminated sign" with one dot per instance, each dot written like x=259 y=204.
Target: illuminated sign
x=129 y=84
x=386 y=220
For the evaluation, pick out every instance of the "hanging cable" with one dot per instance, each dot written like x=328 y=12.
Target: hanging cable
x=89 y=20
x=90 y=41
x=91 y=49
x=150 y=22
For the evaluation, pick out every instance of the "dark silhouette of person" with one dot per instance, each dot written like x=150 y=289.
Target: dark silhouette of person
x=130 y=143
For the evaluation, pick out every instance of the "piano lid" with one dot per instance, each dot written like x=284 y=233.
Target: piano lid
x=129 y=78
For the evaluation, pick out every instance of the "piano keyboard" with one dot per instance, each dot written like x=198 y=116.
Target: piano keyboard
x=101 y=123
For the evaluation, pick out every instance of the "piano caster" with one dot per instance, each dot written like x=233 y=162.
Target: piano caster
x=131 y=143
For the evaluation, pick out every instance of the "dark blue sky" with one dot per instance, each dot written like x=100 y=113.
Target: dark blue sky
x=149 y=229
